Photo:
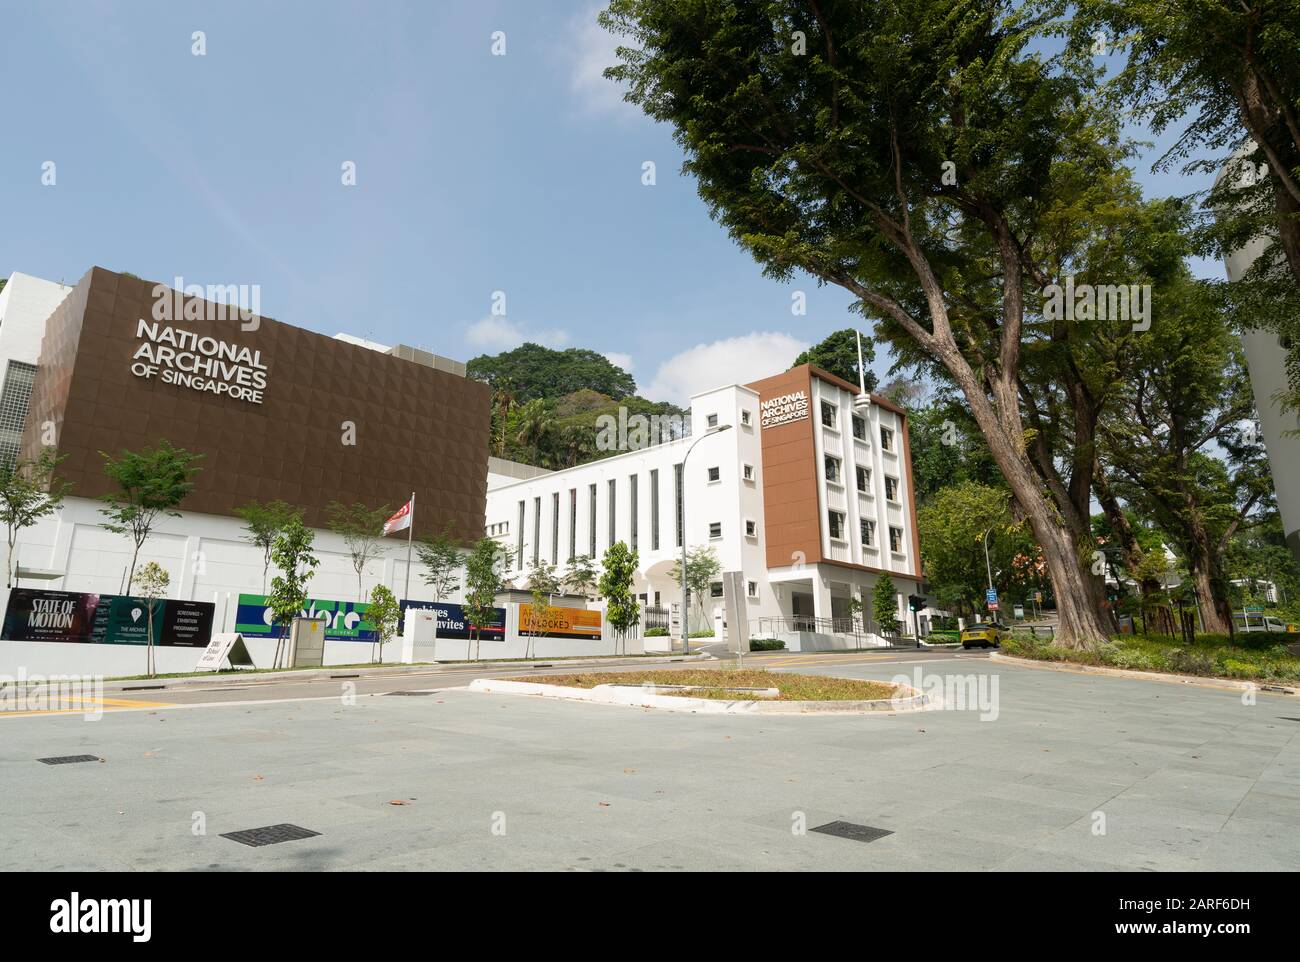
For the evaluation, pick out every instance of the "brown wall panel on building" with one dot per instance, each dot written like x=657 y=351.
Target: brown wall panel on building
x=416 y=428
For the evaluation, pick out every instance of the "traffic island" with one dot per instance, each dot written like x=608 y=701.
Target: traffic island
x=717 y=691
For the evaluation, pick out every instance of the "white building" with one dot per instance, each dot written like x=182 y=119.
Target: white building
x=806 y=496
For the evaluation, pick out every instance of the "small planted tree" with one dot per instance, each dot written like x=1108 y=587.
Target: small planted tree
x=442 y=562
x=152 y=583
x=149 y=484
x=884 y=605
x=483 y=582
x=622 y=611
x=28 y=492
x=383 y=612
x=702 y=569
x=362 y=530
x=542 y=582
x=263 y=523
x=291 y=553
x=581 y=577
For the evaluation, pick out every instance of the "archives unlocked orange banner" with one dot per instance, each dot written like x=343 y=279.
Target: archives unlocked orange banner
x=560 y=622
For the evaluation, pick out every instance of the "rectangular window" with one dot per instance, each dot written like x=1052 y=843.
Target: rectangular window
x=519 y=540
x=864 y=479
x=828 y=414
x=895 y=538
x=654 y=510
x=832 y=469
x=537 y=529
x=886 y=439
x=613 y=512
x=891 y=488
x=555 y=528
x=631 y=497
x=591 y=520
x=711 y=421
x=573 y=523
x=836 y=519
x=715 y=474
x=751 y=528
x=747 y=472
x=867 y=529
x=715 y=589
x=859 y=428
x=677 y=495
x=745 y=418
x=715 y=530
x=751 y=588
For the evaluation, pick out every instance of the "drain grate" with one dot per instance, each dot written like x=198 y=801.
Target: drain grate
x=408 y=693
x=270 y=835
x=857 y=833
x=68 y=759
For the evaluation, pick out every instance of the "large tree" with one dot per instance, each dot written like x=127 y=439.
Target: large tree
x=838 y=355
x=920 y=155
x=147 y=486
x=531 y=371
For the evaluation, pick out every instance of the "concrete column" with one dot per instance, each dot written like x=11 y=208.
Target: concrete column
x=821 y=595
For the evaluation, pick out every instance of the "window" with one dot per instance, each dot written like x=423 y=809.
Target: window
x=895 y=539
x=715 y=589
x=677 y=495
x=867 y=530
x=591 y=520
x=715 y=530
x=747 y=472
x=537 y=530
x=573 y=523
x=859 y=428
x=751 y=528
x=832 y=469
x=864 y=479
x=828 y=414
x=613 y=512
x=715 y=474
x=751 y=588
x=18 y=380
x=711 y=421
x=555 y=528
x=519 y=540
x=746 y=419
x=631 y=496
x=654 y=510
x=836 y=519
x=891 y=488
x=886 y=439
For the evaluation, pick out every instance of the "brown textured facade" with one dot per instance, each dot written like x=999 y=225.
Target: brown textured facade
x=791 y=513
x=415 y=428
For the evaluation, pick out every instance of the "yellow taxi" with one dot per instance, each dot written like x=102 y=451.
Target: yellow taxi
x=984 y=634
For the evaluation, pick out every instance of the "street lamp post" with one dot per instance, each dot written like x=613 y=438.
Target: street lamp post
x=987 y=566
x=686 y=611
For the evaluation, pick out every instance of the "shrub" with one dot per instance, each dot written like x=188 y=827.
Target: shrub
x=655 y=632
x=766 y=644
x=702 y=633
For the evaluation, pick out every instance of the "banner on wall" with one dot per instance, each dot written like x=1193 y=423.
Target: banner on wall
x=346 y=619
x=560 y=623
x=452 y=622
x=37 y=614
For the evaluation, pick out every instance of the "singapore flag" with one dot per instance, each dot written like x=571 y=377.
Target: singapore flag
x=402 y=519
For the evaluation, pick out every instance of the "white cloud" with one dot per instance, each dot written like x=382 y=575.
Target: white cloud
x=619 y=359
x=592 y=50
x=494 y=334
x=733 y=360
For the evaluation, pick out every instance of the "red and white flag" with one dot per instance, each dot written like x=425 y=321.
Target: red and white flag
x=402 y=519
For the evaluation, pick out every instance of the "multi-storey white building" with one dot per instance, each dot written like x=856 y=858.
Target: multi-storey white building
x=806 y=495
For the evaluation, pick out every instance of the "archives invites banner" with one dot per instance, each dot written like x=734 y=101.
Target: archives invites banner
x=452 y=622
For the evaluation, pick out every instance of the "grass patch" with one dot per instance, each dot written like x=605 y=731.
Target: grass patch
x=791 y=687
x=1258 y=657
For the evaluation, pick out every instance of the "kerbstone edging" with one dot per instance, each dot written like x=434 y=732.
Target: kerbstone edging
x=1205 y=681
x=637 y=697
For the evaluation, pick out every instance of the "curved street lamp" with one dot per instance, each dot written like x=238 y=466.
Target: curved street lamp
x=686 y=611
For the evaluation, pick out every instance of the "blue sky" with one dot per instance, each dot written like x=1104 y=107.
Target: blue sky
x=475 y=174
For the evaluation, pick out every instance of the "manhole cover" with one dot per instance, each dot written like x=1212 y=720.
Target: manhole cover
x=270 y=835
x=68 y=759
x=858 y=833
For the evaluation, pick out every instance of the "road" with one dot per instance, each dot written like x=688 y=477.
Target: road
x=1068 y=772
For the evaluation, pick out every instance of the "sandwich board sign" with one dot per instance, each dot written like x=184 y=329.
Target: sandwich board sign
x=228 y=645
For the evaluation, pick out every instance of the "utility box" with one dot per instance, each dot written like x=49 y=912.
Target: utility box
x=307 y=643
x=419 y=635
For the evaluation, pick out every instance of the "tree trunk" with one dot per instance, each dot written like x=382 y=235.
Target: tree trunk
x=1207 y=581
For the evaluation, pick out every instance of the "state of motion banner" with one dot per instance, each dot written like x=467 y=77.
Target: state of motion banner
x=38 y=614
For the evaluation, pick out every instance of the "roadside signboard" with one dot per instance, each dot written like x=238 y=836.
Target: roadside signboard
x=227 y=645
x=991 y=596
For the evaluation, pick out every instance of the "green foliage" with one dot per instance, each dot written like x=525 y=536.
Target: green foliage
x=383 y=612
x=622 y=610
x=263 y=523
x=542 y=582
x=1211 y=656
x=291 y=553
x=581 y=577
x=766 y=644
x=838 y=354
x=151 y=583
x=28 y=492
x=656 y=632
x=531 y=372
x=362 y=530
x=483 y=582
x=575 y=428
x=148 y=484
x=947 y=448
x=702 y=569
x=884 y=604
x=441 y=558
